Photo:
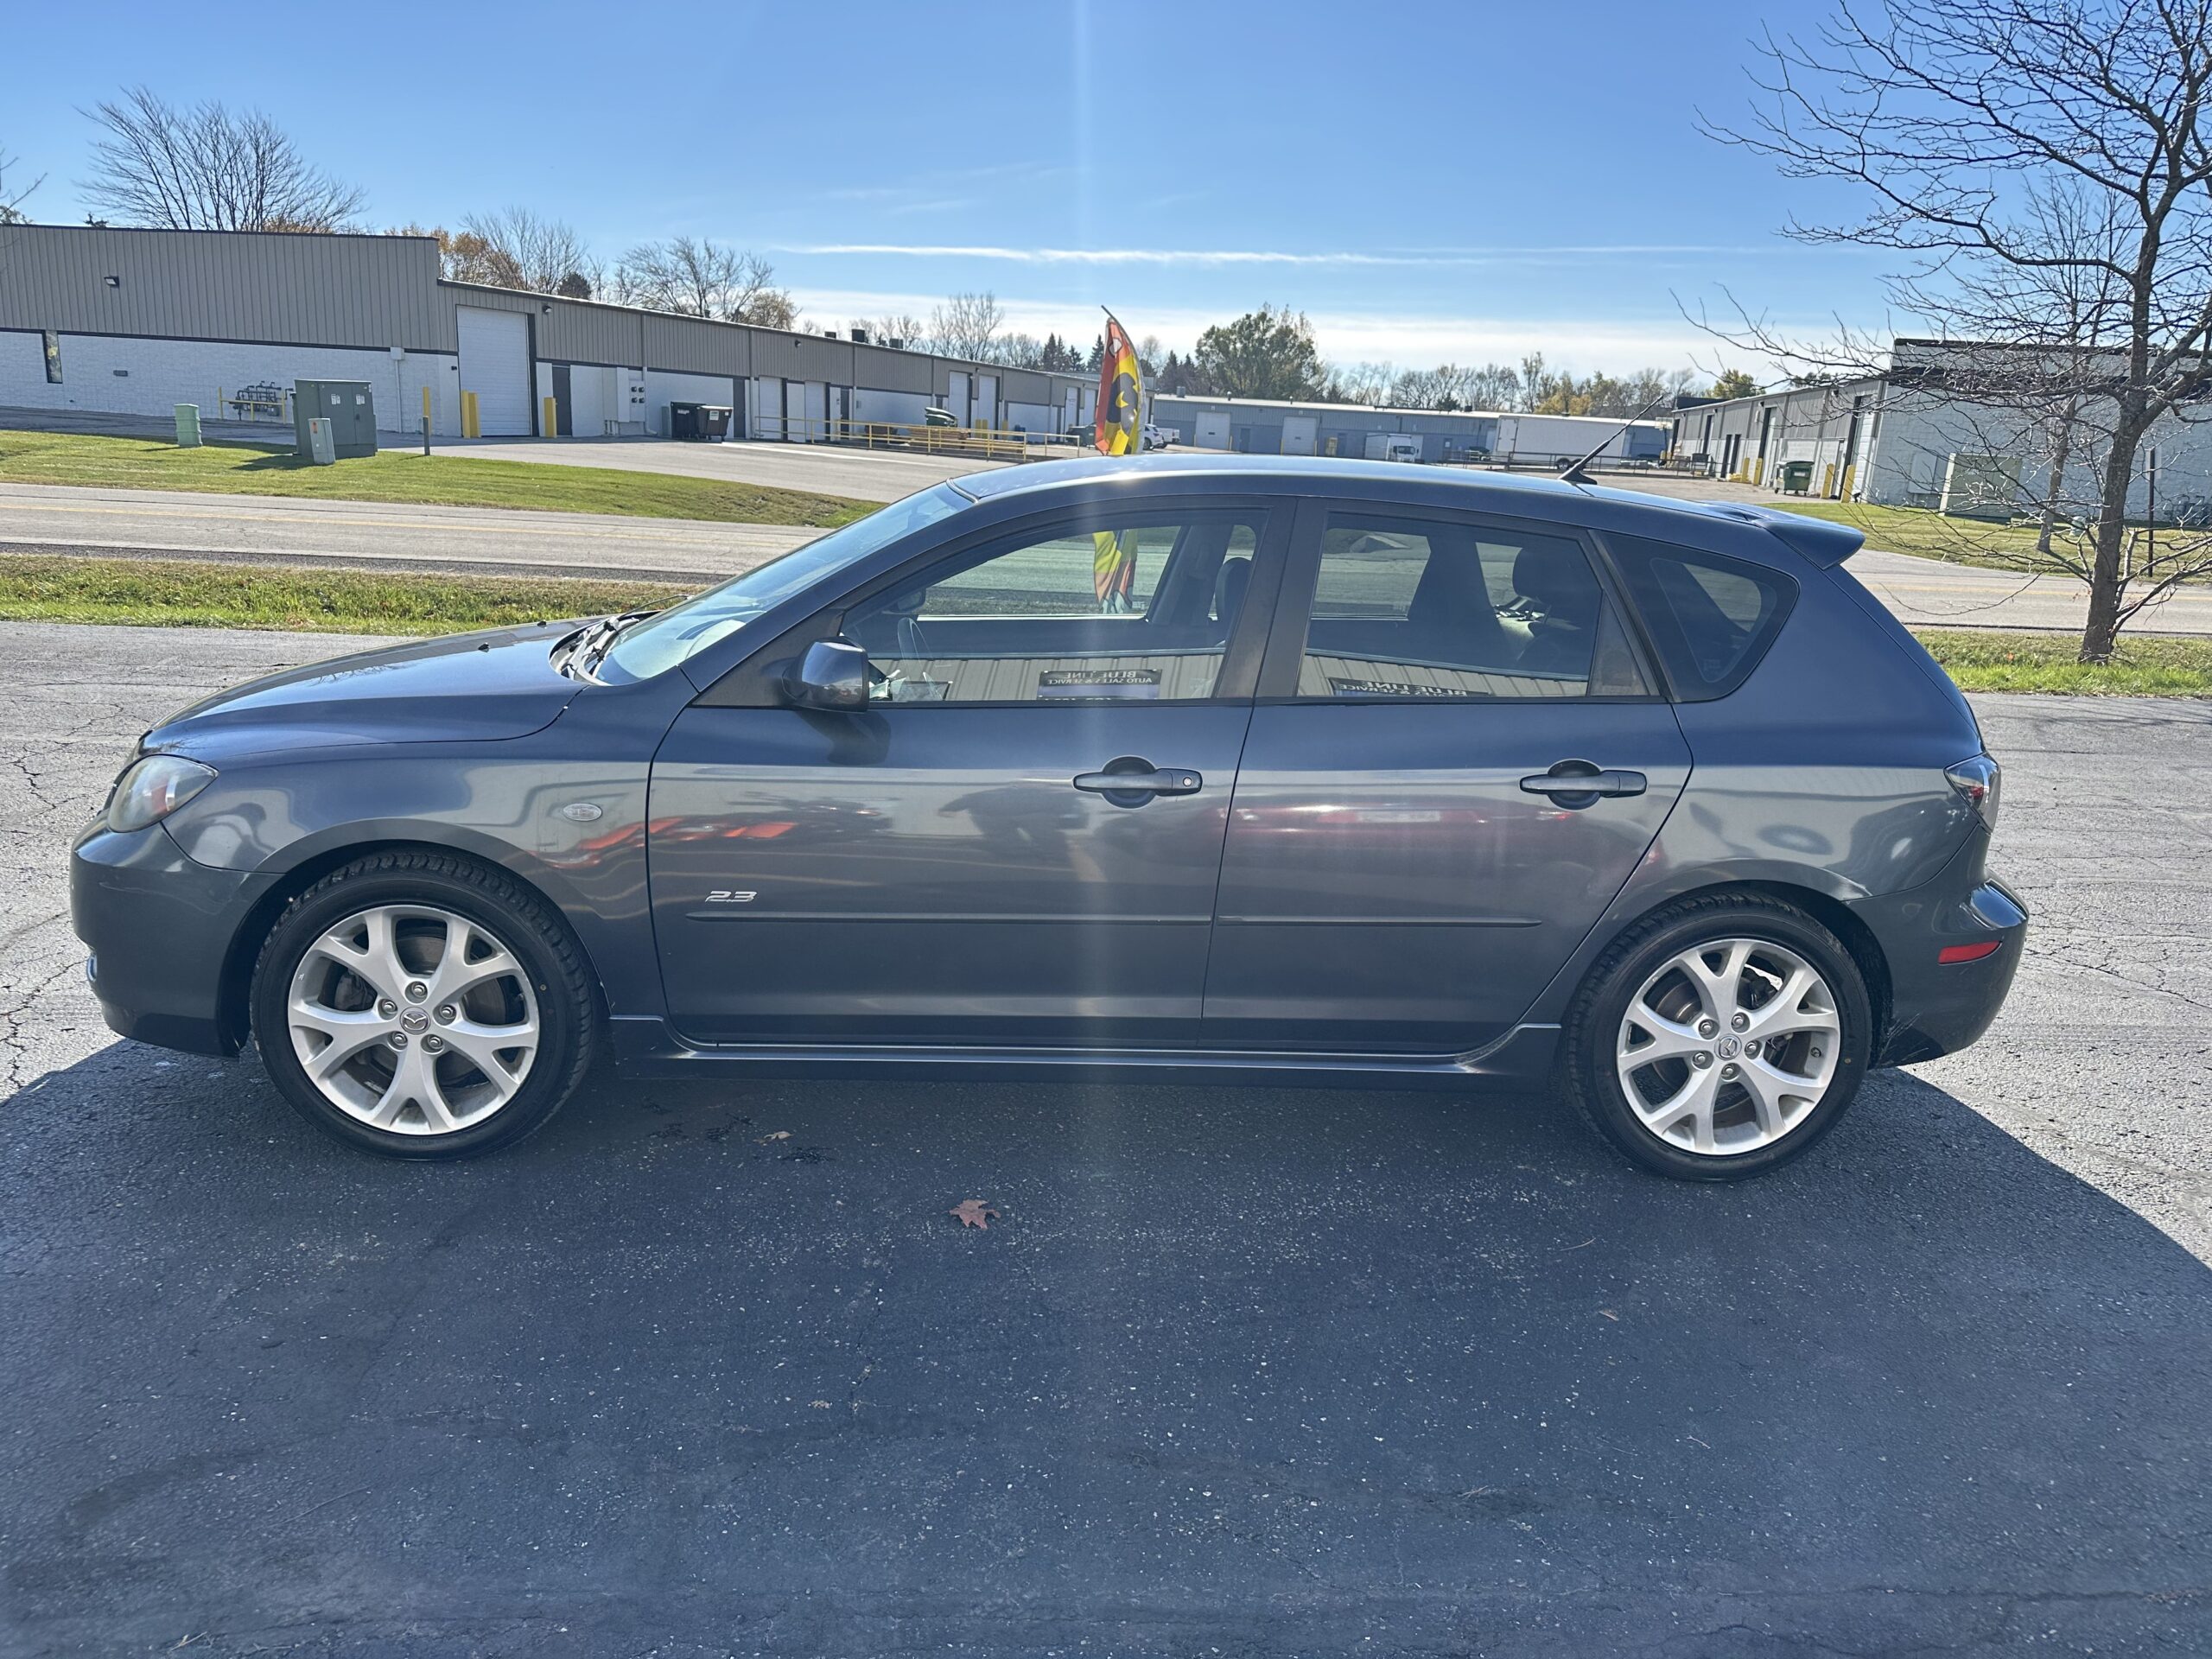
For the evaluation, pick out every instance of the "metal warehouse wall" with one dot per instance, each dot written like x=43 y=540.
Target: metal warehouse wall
x=226 y=285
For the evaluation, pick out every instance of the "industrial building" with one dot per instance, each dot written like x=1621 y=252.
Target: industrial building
x=1918 y=435
x=135 y=321
x=1260 y=426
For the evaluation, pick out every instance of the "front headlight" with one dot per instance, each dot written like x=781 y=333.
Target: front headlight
x=153 y=788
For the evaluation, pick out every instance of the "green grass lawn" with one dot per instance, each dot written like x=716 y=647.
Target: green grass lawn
x=162 y=593
x=1960 y=541
x=2149 y=665
x=407 y=476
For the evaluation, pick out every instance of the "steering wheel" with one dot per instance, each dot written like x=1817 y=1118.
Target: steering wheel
x=911 y=646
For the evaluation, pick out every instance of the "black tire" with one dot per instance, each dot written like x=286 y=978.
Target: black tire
x=1593 y=1026
x=532 y=931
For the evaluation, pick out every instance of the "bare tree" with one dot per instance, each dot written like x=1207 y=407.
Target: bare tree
x=13 y=196
x=967 y=325
x=517 y=247
x=1955 y=117
x=881 y=331
x=204 y=169
x=697 y=276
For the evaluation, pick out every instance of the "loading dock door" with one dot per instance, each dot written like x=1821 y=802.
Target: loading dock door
x=1067 y=423
x=1213 y=429
x=987 y=401
x=807 y=405
x=1298 y=432
x=956 y=399
x=768 y=408
x=495 y=365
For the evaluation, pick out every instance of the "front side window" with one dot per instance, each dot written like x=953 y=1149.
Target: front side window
x=660 y=642
x=1416 y=608
x=1095 y=609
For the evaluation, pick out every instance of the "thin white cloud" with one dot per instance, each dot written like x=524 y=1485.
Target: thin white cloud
x=1222 y=257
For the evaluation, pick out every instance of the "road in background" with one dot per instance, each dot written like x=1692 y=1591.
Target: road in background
x=826 y=469
x=51 y=519
x=710 y=1369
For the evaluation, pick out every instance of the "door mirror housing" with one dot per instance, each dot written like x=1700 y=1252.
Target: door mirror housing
x=831 y=674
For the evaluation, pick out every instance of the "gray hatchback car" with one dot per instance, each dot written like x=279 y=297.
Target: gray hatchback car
x=1177 y=768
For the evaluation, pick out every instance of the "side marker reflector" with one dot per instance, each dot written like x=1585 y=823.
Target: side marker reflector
x=1969 y=952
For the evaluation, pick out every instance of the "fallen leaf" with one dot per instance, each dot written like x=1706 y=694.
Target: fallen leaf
x=819 y=1405
x=974 y=1212
x=776 y=1134
x=1610 y=1314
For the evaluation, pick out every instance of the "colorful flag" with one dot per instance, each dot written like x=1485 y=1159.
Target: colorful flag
x=1114 y=569
x=1120 y=396
x=1121 y=432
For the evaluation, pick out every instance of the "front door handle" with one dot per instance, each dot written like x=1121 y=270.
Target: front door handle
x=1130 y=781
x=1582 y=783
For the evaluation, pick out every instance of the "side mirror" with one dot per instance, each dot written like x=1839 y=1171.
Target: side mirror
x=831 y=675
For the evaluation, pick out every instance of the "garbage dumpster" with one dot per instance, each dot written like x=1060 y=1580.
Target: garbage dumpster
x=714 y=422
x=1796 y=477
x=683 y=422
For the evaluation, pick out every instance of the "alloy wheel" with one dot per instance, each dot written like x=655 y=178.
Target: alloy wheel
x=412 y=1019
x=1728 y=1047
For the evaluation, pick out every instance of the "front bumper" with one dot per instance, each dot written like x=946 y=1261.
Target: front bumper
x=159 y=927
x=1937 y=1006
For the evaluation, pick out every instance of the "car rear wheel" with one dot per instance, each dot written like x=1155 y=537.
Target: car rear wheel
x=421 y=1006
x=1720 y=1038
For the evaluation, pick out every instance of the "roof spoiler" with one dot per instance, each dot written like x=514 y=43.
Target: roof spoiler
x=1820 y=540
x=1824 y=542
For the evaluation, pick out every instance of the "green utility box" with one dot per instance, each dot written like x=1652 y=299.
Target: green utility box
x=1796 y=477
x=349 y=405
x=188 y=426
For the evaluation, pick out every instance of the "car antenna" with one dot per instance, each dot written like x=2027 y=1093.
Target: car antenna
x=1575 y=475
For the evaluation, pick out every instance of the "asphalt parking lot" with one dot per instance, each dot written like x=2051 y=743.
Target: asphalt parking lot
x=704 y=1371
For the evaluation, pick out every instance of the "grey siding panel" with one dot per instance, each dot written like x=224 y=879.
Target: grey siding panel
x=803 y=356
x=888 y=370
x=1024 y=386
x=330 y=290
x=697 y=347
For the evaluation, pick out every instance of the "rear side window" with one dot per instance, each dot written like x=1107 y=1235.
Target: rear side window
x=1711 y=618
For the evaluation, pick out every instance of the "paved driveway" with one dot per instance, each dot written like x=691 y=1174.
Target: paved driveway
x=1245 y=1371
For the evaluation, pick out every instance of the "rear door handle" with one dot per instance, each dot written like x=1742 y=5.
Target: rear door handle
x=1580 y=783
x=1138 y=780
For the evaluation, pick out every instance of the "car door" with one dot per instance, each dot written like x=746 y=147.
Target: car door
x=1456 y=759
x=1017 y=840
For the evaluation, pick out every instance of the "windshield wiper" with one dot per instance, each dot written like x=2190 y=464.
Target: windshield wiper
x=598 y=639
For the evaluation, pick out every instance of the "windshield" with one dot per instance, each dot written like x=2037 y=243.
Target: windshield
x=675 y=635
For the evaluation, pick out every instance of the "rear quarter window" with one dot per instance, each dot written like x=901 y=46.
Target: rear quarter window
x=1711 y=618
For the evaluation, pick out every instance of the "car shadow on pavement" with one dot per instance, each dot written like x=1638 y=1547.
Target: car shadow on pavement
x=714 y=1370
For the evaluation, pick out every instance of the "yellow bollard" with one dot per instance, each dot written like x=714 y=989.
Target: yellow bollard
x=1828 y=480
x=1848 y=473
x=549 y=418
x=426 y=402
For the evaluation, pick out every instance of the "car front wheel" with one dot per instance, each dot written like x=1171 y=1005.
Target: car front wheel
x=1720 y=1038
x=421 y=1006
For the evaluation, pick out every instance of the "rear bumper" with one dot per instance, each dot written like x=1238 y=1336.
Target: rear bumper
x=1937 y=1006
x=159 y=928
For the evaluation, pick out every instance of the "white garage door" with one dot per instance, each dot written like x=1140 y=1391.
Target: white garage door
x=1213 y=429
x=495 y=365
x=956 y=397
x=767 y=409
x=1298 y=432
x=987 y=400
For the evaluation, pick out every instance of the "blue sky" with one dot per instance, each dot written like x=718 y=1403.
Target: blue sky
x=1427 y=181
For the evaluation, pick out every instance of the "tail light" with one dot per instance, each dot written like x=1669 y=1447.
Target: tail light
x=1978 y=780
